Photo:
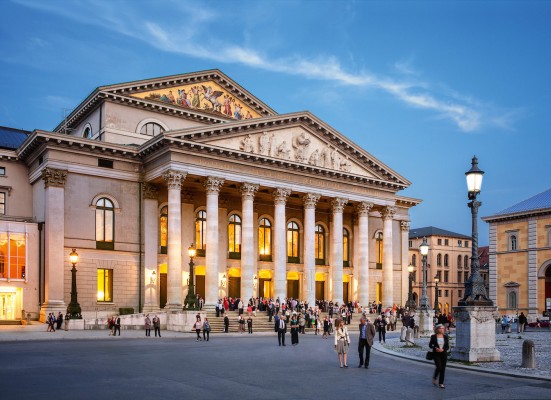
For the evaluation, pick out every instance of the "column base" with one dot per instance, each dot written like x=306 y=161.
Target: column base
x=475 y=335
x=173 y=308
x=52 y=306
x=151 y=308
x=425 y=322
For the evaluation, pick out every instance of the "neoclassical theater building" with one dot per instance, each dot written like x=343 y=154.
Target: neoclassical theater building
x=277 y=205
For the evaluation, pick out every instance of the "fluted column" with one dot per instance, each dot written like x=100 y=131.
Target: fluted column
x=151 y=246
x=336 y=248
x=309 y=288
x=212 y=186
x=363 y=250
x=388 y=262
x=248 y=191
x=174 y=279
x=280 y=243
x=404 y=226
x=54 y=236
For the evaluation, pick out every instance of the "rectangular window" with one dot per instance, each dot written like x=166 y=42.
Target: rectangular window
x=459 y=293
x=13 y=254
x=105 y=163
x=460 y=243
x=439 y=242
x=446 y=276
x=410 y=244
x=466 y=244
x=2 y=171
x=2 y=203
x=446 y=293
x=105 y=285
x=439 y=275
x=466 y=276
x=459 y=276
x=439 y=293
x=446 y=242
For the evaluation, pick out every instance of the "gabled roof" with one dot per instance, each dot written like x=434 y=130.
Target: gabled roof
x=540 y=201
x=433 y=231
x=11 y=138
x=133 y=93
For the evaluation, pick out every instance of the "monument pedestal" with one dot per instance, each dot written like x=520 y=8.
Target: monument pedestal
x=475 y=334
x=425 y=318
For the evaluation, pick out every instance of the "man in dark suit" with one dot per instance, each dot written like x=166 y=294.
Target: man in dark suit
x=117 y=326
x=281 y=331
x=226 y=324
x=367 y=333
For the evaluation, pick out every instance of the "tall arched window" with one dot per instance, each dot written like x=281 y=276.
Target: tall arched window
x=379 y=240
x=513 y=241
x=345 y=247
x=2 y=265
x=234 y=236
x=201 y=233
x=265 y=240
x=151 y=129
x=320 y=245
x=446 y=261
x=439 y=260
x=466 y=262
x=105 y=224
x=293 y=245
x=414 y=260
x=459 y=265
x=163 y=229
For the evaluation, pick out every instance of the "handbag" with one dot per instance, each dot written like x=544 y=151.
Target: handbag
x=430 y=355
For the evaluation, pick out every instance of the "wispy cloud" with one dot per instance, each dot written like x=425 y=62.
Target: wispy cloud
x=195 y=38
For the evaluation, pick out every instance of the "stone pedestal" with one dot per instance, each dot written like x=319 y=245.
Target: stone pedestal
x=475 y=338
x=76 y=324
x=425 y=318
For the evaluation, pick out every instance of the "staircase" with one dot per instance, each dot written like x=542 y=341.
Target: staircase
x=10 y=322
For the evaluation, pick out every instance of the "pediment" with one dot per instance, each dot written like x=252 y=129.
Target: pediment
x=295 y=144
x=209 y=92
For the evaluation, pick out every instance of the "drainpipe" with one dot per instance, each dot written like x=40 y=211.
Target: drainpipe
x=40 y=265
x=140 y=268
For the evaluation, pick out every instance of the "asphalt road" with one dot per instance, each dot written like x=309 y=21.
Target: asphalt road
x=246 y=367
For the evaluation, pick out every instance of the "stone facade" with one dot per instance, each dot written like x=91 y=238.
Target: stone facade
x=152 y=177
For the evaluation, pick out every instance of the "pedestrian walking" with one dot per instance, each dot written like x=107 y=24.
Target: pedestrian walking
x=342 y=341
x=197 y=326
x=281 y=331
x=59 y=320
x=250 y=325
x=147 y=325
x=226 y=324
x=381 y=327
x=206 y=329
x=67 y=317
x=294 y=330
x=439 y=343
x=157 y=325
x=367 y=333
x=522 y=321
x=325 y=328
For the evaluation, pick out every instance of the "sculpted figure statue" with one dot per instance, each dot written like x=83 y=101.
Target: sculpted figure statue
x=300 y=144
x=247 y=144
x=283 y=151
x=264 y=144
x=346 y=165
x=315 y=158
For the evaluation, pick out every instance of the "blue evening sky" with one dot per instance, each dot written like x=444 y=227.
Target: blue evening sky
x=421 y=85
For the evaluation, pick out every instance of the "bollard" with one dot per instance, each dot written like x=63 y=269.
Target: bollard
x=409 y=337
x=528 y=354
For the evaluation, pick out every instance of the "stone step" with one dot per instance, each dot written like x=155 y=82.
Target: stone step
x=10 y=322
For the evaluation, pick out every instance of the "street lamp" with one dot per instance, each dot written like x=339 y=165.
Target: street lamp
x=74 y=308
x=436 y=305
x=411 y=302
x=424 y=301
x=475 y=290
x=191 y=300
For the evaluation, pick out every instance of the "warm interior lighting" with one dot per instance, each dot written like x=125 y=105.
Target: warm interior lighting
x=101 y=295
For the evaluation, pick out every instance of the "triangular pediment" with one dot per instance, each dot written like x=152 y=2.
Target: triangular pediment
x=297 y=138
x=209 y=92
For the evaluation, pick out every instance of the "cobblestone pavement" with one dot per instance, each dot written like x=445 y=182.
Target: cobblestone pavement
x=509 y=346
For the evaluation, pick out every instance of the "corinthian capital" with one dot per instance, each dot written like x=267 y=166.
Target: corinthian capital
x=174 y=178
x=54 y=177
x=150 y=191
x=363 y=208
x=404 y=225
x=310 y=200
x=248 y=191
x=388 y=212
x=338 y=204
x=280 y=195
x=213 y=184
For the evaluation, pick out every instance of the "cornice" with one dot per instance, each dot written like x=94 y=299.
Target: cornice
x=517 y=216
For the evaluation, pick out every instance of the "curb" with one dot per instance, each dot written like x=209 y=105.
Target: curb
x=455 y=365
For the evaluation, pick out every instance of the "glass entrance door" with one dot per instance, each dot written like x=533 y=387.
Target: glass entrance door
x=7 y=306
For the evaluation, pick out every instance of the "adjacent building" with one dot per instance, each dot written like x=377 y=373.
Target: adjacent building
x=520 y=257
x=277 y=205
x=448 y=261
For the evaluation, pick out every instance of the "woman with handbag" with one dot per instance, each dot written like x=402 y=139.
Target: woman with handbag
x=342 y=341
x=439 y=343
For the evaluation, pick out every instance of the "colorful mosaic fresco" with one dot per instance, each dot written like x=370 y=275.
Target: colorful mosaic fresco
x=204 y=96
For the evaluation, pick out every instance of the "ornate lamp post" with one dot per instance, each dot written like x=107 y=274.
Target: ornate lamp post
x=74 y=308
x=191 y=300
x=411 y=302
x=424 y=311
x=436 y=305
x=475 y=313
